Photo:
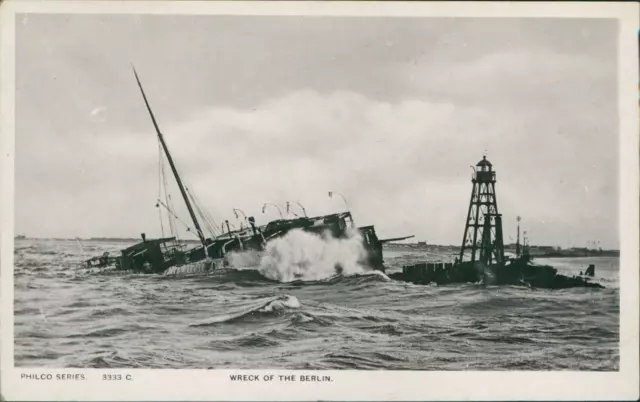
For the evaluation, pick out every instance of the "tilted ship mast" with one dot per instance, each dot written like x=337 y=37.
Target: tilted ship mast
x=173 y=167
x=149 y=257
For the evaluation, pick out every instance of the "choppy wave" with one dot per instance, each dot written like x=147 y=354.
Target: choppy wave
x=263 y=305
x=306 y=303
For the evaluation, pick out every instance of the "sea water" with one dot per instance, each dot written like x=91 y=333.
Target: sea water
x=290 y=308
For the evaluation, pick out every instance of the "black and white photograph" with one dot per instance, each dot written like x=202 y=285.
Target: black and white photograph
x=315 y=194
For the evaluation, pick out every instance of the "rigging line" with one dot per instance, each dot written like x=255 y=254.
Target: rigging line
x=193 y=196
x=212 y=221
x=172 y=223
x=200 y=234
x=197 y=208
x=168 y=201
x=160 y=217
x=209 y=222
x=170 y=219
x=169 y=206
x=202 y=211
x=204 y=214
x=216 y=226
x=160 y=175
x=208 y=226
x=167 y=196
x=209 y=231
x=175 y=216
x=213 y=224
x=193 y=201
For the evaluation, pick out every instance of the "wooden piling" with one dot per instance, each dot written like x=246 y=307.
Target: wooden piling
x=422 y=269
x=448 y=272
x=439 y=273
x=410 y=273
x=433 y=272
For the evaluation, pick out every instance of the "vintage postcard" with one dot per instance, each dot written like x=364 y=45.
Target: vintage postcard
x=319 y=201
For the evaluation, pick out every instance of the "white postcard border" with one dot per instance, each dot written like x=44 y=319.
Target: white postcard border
x=346 y=384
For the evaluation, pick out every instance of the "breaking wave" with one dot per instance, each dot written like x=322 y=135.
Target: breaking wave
x=304 y=256
x=244 y=259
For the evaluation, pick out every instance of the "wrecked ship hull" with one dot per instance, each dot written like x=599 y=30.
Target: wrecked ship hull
x=156 y=256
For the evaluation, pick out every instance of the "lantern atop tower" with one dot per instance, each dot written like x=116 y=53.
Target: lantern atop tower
x=484 y=163
x=484 y=172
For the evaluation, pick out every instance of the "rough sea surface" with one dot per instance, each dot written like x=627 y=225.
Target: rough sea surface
x=285 y=313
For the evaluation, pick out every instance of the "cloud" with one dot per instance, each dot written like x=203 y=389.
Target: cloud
x=525 y=80
x=358 y=106
x=403 y=166
x=97 y=110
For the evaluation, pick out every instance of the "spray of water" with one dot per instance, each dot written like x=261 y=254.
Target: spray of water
x=306 y=256
x=245 y=259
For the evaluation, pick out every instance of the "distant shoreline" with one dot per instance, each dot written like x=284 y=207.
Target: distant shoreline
x=591 y=253
x=535 y=251
x=96 y=239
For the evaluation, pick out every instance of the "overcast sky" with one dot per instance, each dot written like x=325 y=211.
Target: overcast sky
x=389 y=112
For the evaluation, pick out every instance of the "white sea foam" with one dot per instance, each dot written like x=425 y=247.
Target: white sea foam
x=305 y=256
x=192 y=268
x=281 y=303
x=380 y=274
x=245 y=259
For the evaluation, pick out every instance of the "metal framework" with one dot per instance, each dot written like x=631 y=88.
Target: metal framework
x=483 y=238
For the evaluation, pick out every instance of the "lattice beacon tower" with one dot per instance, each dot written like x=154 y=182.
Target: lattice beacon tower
x=482 y=239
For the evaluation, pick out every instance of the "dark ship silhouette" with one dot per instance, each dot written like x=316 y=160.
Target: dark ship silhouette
x=157 y=255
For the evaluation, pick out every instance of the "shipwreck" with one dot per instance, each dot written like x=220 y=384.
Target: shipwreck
x=481 y=258
x=158 y=255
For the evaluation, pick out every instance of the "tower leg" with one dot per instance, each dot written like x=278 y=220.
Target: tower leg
x=466 y=226
x=476 y=225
